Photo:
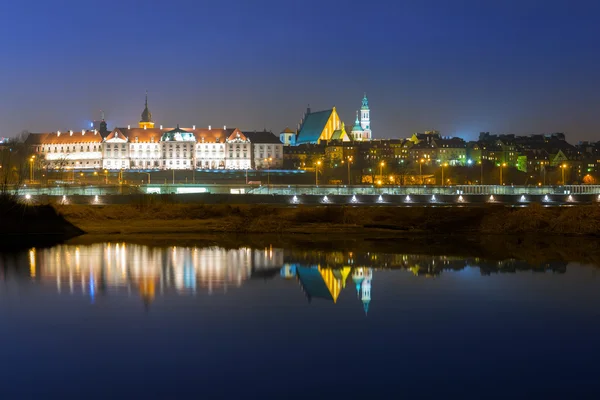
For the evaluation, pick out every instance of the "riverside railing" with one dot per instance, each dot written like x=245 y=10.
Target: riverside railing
x=423 y=190
x=321 y=190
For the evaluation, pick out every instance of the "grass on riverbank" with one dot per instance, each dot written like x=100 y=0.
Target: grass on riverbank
x=190 y=218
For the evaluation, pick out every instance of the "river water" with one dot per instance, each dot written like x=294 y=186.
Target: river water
x=123 y=320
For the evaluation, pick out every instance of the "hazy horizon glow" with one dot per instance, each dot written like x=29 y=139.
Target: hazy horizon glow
x=460 y=67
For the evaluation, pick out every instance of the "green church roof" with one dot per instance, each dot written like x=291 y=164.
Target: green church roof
x=357 y=127
x=313 y=126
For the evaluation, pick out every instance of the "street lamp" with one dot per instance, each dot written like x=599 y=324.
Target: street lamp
x=381 y=165
x=106 y=176
x=268 y=161
x=501 y=168
x=148 y=173
x=317 y=172
x=421 y=169
x=443 y=165
x=349 y=162
x=31 y=161
x=563 y=167
x=481 y=179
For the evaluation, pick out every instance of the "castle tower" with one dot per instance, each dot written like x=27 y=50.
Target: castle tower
x=365 y=118
x=103 y=127
x=357 y=130
x=146 y=121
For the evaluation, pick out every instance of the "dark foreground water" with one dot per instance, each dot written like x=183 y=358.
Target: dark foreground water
x=131 y=321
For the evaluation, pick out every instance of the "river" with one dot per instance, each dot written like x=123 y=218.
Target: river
x=127 y=320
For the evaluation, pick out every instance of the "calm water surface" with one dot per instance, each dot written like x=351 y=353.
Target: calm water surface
x=117 y=320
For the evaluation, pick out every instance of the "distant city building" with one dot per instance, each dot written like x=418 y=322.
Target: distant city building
x=326 y=125
x=365 y=119
x=321 y=126
x=146 y=147
x=288 y=137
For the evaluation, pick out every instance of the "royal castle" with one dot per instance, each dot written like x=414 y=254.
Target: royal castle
x=146 y=147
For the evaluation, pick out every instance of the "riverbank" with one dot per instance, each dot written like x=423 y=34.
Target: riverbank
x=23 y=225
x=331 y=220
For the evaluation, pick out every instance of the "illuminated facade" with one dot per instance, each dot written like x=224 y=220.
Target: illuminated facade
x=149 y=148
x=362 y=130
x=319 y=126
x=68 y=150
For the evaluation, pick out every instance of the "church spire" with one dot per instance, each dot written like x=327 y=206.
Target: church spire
x=146 y=121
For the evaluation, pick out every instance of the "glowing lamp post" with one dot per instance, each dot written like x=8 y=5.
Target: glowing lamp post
x=268 y=161
x=349 y=162
x=31 y=161
x=563 y=167
x=381 y=165
x=443 y=165
x=421 y=169
x=501 y=168
x=317 y=172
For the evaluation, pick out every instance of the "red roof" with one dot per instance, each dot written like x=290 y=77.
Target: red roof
x=146 y=135
x=64 y=138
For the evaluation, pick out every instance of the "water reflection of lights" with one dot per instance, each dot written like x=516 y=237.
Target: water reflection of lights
x=100 y=268
x=407 y=199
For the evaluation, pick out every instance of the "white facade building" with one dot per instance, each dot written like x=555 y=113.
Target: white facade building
x=146 y=147
x=68 y=150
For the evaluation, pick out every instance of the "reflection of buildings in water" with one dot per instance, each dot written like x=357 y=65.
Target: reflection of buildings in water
x=148 y=270
x=418 y=264
x=327 y=283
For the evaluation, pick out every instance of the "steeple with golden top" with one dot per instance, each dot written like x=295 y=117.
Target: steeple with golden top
x=146 y=121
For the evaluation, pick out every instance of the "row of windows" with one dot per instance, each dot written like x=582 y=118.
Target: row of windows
x=54 y=149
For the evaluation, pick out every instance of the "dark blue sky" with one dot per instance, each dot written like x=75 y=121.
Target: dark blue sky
x=459 y=66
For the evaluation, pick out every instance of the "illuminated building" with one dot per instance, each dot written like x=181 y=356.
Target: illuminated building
x=288 y=137
x=321 y=126
x=146 y=148
x=357 y=130
x=68 y=150
x=365 y=120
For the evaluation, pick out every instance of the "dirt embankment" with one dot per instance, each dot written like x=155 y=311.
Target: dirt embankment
x=23 y=226
x=199 y=218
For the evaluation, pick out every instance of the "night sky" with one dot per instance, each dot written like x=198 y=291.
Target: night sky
x=457 y=66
